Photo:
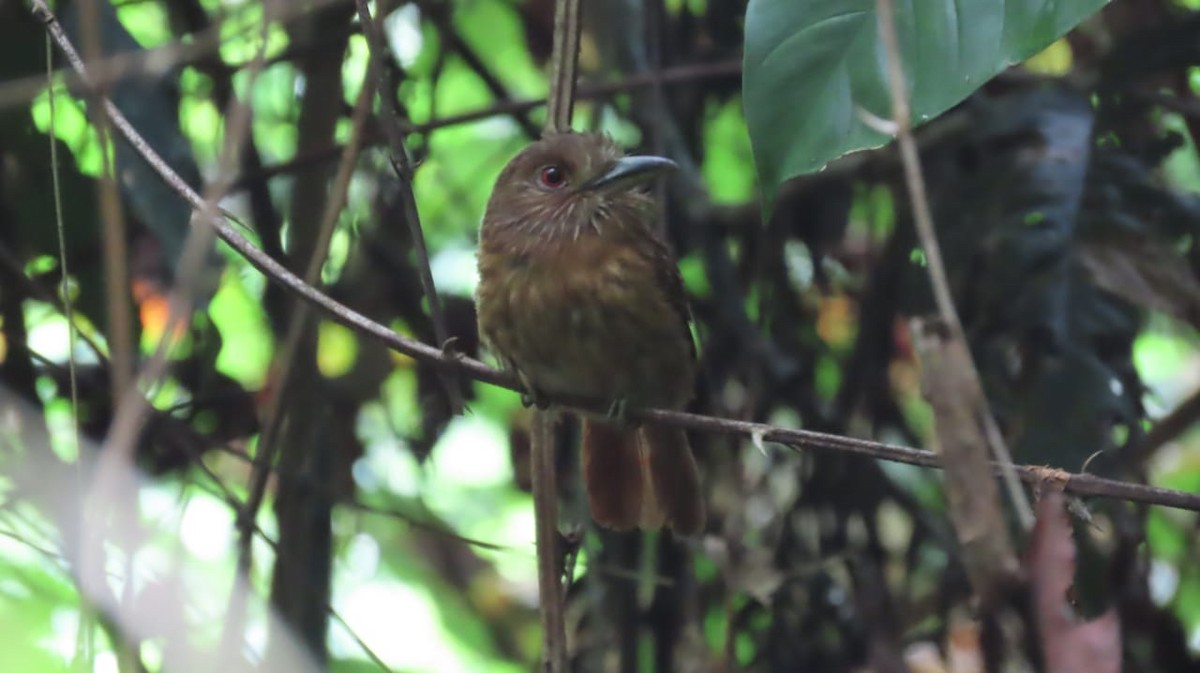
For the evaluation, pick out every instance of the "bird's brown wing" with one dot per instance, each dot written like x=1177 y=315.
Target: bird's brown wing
x=671 y=282
x=674 y=495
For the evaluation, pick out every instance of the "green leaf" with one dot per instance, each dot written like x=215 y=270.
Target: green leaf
x=811 y=65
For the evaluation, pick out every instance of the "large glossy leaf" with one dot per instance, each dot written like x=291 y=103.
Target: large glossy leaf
x=810 y=64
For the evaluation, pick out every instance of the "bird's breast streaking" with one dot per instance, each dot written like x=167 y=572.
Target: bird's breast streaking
x=599 y=322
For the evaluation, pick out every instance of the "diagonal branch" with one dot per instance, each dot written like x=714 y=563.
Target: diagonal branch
x=1079 y=484
x=402 y=165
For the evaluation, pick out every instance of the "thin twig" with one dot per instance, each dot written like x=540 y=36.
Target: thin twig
x=922 y=216
x=65 y=285
x=549 y=566
x=362 y=644
x=402 y=165
x=85 y=650
x=1079 y=484
x=427 y=525
x=565 y=59
x=936 y=267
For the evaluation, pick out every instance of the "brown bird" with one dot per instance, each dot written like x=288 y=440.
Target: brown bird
x=579 y=295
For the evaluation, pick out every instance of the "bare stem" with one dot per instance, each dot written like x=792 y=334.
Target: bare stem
x=936 y=267
x=565 y=59
x=545 y=514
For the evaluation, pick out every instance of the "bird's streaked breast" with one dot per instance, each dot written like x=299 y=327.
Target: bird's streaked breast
x=588 y=318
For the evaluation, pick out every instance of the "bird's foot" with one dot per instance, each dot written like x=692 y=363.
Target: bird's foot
x=570 y=540
x=532 y=397
x=618 y=411
x=450 y=349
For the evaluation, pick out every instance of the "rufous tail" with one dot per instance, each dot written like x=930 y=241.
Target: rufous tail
x=641 y=477
x=675 y=479
x=613 y=474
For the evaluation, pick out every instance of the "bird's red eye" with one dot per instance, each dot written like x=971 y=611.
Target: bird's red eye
x=552 y=177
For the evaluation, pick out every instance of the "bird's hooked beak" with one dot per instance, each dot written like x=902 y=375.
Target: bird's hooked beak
x=628 y=171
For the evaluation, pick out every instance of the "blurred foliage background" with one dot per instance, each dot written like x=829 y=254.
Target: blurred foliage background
x=396 y=535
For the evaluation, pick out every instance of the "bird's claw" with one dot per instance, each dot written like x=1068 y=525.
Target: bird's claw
x=569 y=542
x=618 y=410
x=533 y=397
x=450 y=350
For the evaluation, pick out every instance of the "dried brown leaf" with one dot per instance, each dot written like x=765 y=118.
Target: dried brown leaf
x=955 y=395
x=1069 y=645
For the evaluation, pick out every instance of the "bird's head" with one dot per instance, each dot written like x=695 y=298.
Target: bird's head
x=568 y=183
